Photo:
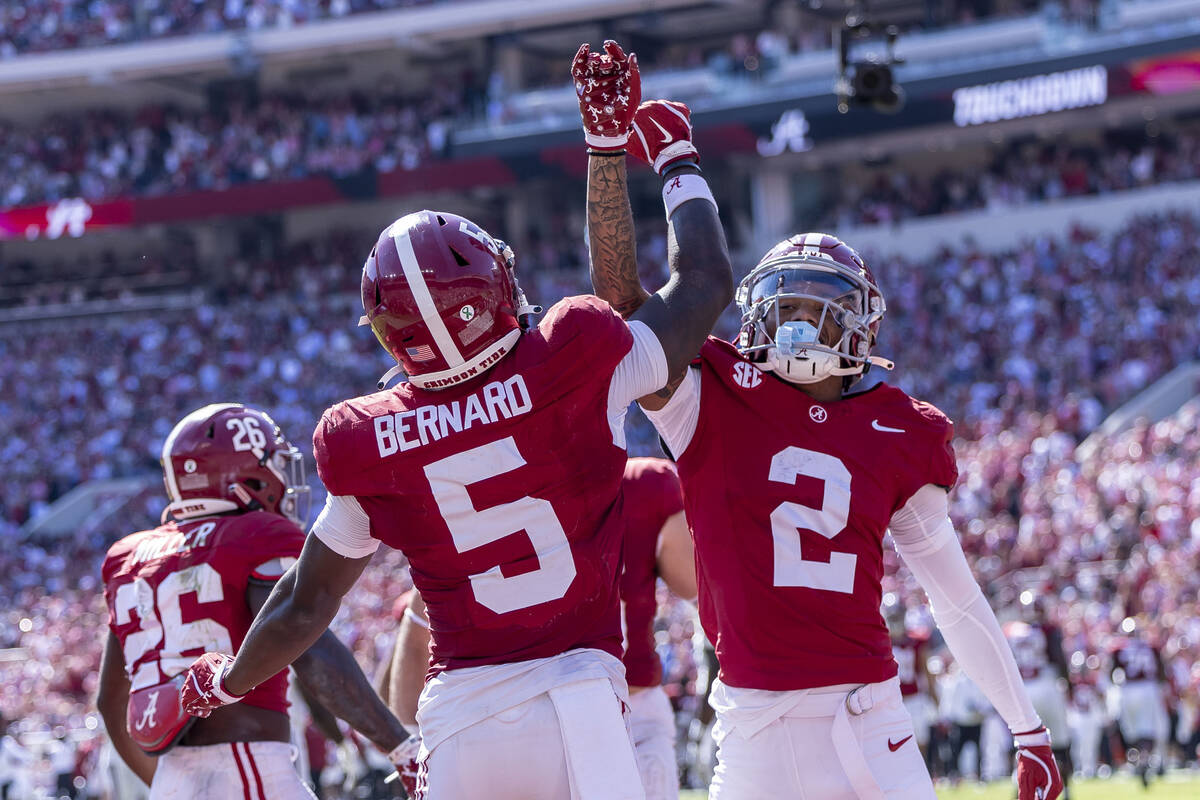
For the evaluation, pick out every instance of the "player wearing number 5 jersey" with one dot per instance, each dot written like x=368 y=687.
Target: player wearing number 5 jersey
x=194 y=584
x=790 y=484
x=496 y=469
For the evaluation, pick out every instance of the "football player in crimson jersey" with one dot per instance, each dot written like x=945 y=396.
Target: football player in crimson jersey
x=1139 y=677
x=917 y=689
x=194 y=584
x=791 y=481
x=657 y=544
x=1037 y=645
x=496 y=469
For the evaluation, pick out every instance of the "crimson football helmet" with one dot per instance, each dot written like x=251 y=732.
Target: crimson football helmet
x=811 y=267
x=442 y=297
x=231 y=457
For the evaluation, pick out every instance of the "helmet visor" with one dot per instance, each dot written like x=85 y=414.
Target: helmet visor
x=807 y=282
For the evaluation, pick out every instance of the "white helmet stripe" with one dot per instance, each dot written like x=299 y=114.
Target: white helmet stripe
x=813 y=239
x=429 y=312
x=196 y=416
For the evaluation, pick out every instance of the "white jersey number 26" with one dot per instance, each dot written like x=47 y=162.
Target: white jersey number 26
x=791 y=568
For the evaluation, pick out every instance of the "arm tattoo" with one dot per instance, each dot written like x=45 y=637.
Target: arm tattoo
x=669 y=390
x=611 y=242
x=331 y=675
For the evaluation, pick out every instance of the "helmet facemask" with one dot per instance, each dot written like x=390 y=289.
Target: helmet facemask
x=801 y=350
x=525 y=310
x=288 y=466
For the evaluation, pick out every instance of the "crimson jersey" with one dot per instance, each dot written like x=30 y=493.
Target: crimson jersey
x=1031 y=648
x=908 y=653
x=789 y=500
x=650 y=496
x=502 y=492
x=179 y=591
x=1137 y=659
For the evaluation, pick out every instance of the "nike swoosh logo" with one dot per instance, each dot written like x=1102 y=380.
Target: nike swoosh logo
x=897 y=745
x=666 y=136
x=875 y=424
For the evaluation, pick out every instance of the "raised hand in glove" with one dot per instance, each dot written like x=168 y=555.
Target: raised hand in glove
x=1037 y=773
x=609 y=88
x=203 y=688
x=662 y=134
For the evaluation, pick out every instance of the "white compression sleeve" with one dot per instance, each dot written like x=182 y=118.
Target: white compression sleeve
x=345 y=528
x=925 y=539
x=676 y=421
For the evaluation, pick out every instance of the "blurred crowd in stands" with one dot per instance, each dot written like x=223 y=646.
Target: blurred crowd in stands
x=1017 y=174
x=166 y=150
x=1027 y=349
x=41 y=26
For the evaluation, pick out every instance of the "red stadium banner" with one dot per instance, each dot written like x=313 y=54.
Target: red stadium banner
x=453 y=175
x=76 y=216
x=70 y=217
x=1171 y=74
x=241 y=200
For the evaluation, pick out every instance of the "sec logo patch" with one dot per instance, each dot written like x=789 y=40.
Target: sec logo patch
x=746 y=375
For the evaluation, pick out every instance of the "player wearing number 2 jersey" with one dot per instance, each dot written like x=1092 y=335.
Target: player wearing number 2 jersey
x=496 y=470
x=790 y=484
x=194 y=584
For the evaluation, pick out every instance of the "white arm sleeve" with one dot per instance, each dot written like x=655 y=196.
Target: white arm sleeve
x=643 y=370
x=676 y=421
x=344 y=527
x=925 y=539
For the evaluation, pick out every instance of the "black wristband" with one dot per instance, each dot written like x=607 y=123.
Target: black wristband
x=605 y=153
x=687 y=162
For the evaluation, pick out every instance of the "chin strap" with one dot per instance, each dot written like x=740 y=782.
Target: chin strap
x=389 y=375
x=880 y=361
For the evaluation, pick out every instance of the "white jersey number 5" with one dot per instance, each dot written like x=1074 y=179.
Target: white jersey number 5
x=791 y=569
x=449 y=479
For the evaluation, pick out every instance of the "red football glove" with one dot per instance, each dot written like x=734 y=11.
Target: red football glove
x=204 y=685
x=662 y=134
x=609 y=89
x=1037 y=773
x=404 y=759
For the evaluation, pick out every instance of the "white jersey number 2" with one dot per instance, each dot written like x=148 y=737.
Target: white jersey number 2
x=791 y=568
x=449 y=479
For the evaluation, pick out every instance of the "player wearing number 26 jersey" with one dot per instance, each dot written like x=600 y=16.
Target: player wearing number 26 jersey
x=496 y=469
x=194 y=584
x=791 y=482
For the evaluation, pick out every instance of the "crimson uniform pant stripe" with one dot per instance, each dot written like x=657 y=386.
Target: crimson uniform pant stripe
x=241 y=772
x=254 y=769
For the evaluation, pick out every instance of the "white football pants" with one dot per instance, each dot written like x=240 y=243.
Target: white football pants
x=1049 y=698
x=1143 y=713
x=234 y=771
x=832 y=744
x=653 y=726
x=570 y=743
